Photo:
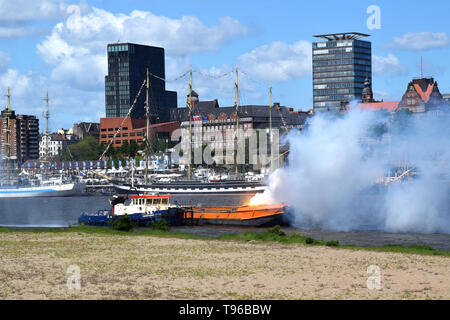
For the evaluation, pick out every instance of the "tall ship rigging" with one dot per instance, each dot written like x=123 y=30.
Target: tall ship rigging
x=189 y=185
x=10 y=184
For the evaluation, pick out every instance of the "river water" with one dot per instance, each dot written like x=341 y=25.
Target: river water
x=61 y=212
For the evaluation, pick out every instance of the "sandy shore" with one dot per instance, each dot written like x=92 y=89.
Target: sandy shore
x=34 y=266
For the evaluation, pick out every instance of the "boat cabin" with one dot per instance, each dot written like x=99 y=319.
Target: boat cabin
x=144 y=204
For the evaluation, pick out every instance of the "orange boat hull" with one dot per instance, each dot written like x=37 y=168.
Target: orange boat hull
x=258 y=215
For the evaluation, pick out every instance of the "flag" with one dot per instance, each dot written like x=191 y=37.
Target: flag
x=120 y=163
x=82 y=174
x=196 y=118
x=70 y=164
x=84 y=164
x=91 y=164
x=204 y=118
x=98 y=164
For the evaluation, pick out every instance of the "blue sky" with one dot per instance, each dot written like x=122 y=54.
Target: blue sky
x=60 y=46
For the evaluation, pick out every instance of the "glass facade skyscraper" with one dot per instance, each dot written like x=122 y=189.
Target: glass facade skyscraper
x=340 y=66
x=127 y=69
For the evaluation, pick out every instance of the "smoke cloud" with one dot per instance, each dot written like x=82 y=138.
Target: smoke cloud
x=335 y=162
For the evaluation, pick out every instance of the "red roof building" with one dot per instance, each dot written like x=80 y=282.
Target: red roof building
x=390 y=106
x=422 y=95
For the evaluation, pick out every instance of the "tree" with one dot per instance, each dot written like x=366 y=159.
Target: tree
x=132 y=148
x=87 y=149
x=124 y=148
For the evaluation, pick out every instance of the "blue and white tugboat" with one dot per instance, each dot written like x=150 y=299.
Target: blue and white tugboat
x=142 y=210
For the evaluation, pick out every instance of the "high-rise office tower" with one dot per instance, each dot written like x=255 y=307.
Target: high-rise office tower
x=341 y=65
x=127 y=69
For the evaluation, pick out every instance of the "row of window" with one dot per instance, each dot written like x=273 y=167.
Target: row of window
x=339 y=85
x=337 y=91
x=334 y=97
x=342 y=79
x=341 y=62
x=343 y=50
x=317 y=75
x=117 y=48
x=341 y=56
x=342 y=43
x=125 y=135
x=347 y=67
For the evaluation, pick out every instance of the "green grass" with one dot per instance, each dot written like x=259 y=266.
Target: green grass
x=275 y=235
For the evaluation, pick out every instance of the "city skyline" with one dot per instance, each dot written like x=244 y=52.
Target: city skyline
x=57 y=46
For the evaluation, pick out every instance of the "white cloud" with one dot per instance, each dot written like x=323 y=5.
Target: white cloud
x=13 y=32
x=77 y=47
x=178 y=36
x=387 y=65
x=420 y=41
x=20 y=11
x=278 y=61
x=19 y=83
x=17 y=17
x=4 y=60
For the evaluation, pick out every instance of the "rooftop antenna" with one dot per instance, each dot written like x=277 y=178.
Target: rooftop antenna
x=421 y=67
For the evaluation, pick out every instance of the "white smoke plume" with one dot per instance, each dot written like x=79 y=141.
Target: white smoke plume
x=330 y=179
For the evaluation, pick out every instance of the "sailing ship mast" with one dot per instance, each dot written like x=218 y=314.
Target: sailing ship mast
x=189 y=105
x=237 y=120
x=47 y=135
x=147 y=115
x=8 y=134
x=270 y=129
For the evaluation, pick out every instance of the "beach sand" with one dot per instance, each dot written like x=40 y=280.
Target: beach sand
x=34 y=266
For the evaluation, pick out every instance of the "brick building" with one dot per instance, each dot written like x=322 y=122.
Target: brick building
x=24 y=136
x=134 y=129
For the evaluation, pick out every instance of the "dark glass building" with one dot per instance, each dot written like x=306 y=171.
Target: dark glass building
x=340 y=67
x=127 y=69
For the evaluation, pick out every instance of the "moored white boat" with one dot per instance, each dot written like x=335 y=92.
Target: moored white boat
x=56 y=190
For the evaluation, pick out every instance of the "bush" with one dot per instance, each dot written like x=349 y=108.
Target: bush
x=161 y=225
x=309 y=240
x=276 y=230
x=123 y=223
x=333 y=243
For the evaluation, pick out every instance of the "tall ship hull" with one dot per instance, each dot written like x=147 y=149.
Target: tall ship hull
x=63 y=190
x=194 y=187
